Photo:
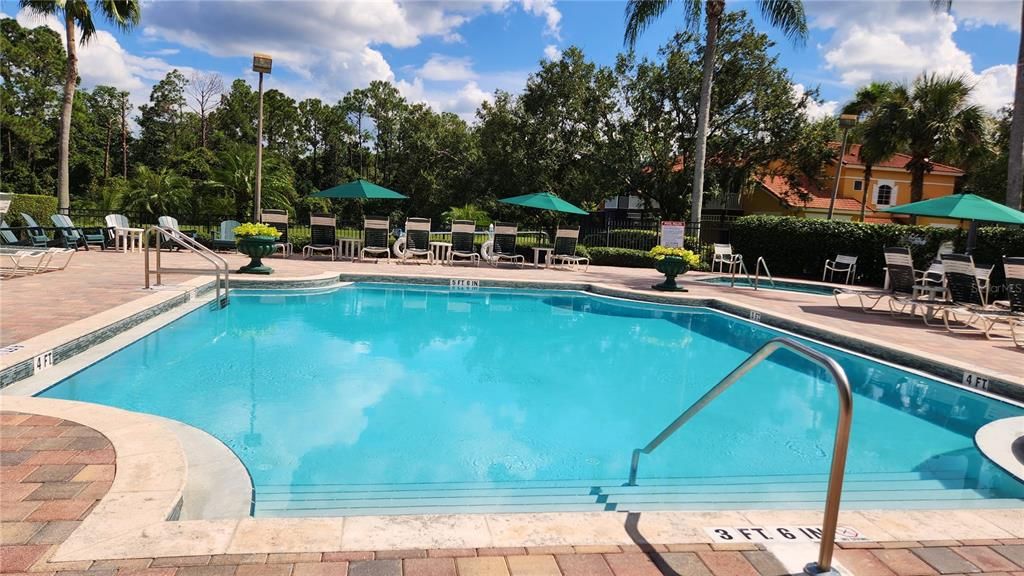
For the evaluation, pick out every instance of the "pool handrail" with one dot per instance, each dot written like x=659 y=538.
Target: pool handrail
x=842 y=438
x=220 y=265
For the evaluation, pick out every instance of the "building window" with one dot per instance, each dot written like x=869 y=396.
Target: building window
x=884 y=195
x=858 y=185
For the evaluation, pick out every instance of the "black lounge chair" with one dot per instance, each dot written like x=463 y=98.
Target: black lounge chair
x=75 y=237
x=278 y=219
x=901 y=276
x=566 y=240
x=464 y=242
x=417 y=240
x=503 y=248
x=323 y=236
x=969 y=296
x=376 y=238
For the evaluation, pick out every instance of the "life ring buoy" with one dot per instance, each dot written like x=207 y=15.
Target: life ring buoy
x=486 y=251
x=398 y=248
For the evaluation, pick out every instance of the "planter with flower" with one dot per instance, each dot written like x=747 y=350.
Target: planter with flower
x=672 y=262
x=256 y=241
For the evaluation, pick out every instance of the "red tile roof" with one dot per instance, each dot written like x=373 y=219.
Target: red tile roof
x=812 y=195
x=898 y=160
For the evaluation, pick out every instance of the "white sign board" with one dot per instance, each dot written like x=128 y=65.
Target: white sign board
x=672 y=233
x=780 y=534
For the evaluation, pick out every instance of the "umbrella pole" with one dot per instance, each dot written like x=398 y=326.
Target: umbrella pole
x=972 y=236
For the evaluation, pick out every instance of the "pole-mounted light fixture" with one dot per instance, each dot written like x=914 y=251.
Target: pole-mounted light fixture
x=262 y=64
x=846 y=121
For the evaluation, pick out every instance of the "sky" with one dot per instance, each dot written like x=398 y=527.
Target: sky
x=453 y=54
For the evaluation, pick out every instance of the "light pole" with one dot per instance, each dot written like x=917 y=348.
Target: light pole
x=846 y=121
x=260 y=63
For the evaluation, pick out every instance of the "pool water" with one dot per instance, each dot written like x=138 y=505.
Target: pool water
x=764 y=283
x=380 y=398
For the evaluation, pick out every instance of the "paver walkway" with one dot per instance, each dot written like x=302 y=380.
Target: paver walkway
x=54 y=471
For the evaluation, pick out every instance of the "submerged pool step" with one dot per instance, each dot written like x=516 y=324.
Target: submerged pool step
x=899 y=490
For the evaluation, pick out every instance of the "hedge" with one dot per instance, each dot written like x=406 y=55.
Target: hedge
x=624 y=257
x=38 y=206
x=623 y=238
x=798 y=247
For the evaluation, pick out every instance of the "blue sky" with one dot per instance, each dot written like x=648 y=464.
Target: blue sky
x=453 y=54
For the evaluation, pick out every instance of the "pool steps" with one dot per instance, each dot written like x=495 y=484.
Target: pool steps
x=861 y=491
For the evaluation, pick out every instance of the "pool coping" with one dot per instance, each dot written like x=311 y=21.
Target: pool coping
x=136 y=517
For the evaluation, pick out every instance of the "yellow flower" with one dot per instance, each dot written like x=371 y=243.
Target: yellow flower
x=248 y=230
x=690 y=257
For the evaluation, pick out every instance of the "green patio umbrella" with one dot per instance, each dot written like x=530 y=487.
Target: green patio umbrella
x=962 y=207
x=544 y=201
x=360 y=189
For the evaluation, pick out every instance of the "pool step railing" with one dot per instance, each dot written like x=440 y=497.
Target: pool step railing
x=756 y=281
x=220 y=266
x=839 y=448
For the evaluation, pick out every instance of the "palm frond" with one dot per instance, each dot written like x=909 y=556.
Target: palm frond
x=788 y=16
x=44 y=7
x=640 y=14
x=124 y=14
x=942 y=5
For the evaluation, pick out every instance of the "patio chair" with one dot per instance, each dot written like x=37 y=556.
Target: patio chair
x=225 y=239
x=376 y=238
x=417 y=240
x=564 y=251
x=172 y=223
x=36 y=234
x=503 y=248
x=8 y=237
x=463 y=242
x=842 y=264
x=278 y=219
x=121 y=231
x=323 y=236
x=900 y=270
x=59 y=258
x=724 y=256
x=76 y=237
x=967 y=291
x=21 y=262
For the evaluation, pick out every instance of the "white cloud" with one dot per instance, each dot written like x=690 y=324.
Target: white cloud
x=814 y=110
x=877 y=41
x=977 y=13
x=463 y=101
x=551 y=52
x=545 y=9
x=447 y=68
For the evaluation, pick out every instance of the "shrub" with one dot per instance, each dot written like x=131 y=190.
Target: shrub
x=799 y=247
x=604 y=256
x=37 y=206
x=692 y=258
x=624 y=238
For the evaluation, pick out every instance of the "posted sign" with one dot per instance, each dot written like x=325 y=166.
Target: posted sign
x=672 y=233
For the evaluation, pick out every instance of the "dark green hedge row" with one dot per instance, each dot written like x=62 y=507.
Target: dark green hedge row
x=625 y=257
x=623 y=238
x=38 y=206
x=798 y=247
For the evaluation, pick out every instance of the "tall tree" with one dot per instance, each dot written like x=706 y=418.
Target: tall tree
x=934 y=114
x=161 y=137
x=787 y=15
x=876 y=142
x=106 y=108
x=205 y=90
x=124 y=14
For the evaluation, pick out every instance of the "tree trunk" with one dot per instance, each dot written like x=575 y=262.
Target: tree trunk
x=106 y=151
x=864 y=192
x=64 y=147
x=713 y=15
x=916 y=186
x=124 y=137
x=1015 y=171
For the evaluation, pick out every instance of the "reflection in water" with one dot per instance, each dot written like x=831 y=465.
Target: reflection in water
x=391 y=385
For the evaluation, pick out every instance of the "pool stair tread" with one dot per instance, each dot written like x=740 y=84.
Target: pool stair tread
x=888 y=490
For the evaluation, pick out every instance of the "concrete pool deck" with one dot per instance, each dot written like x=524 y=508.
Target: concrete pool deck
x=128 y=529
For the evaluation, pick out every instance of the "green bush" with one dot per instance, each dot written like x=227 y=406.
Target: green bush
x=798 y=247
x=623 y=238
x=37 y=206
x=625 y=257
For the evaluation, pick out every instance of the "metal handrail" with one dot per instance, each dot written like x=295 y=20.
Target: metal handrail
x=761 y=262
x=842 y=439
x=220 y=265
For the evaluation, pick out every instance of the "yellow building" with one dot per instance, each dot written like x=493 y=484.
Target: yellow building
x=889 y=186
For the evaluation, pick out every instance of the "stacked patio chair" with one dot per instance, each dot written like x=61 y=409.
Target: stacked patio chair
x=36 y=234
x=278 y=219
x=225 y=239
x=900 y=290
x=463 y=242
x=74 y=237
x=564 y=251
x=503 y=249
x=323 y=236
x=171 y=223
x=417 y=240
x=842 y=264
x=968 y=292
x=34 y=261
x=724 y=256
x=376 y=236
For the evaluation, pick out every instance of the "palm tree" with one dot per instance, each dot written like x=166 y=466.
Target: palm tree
x=124 y=14
x=934 y=113
x=787 y=15
x=1015 y=168
x=156 y=192
x=876 y=143
x=235 y=179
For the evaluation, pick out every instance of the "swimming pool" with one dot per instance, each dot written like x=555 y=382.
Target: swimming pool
x=764 y=283
x=381 y=398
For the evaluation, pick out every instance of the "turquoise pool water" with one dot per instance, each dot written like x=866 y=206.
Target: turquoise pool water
x=742 y=282
x=398 y=398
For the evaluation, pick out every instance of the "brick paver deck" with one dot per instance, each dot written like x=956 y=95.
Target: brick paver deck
x=96 y=281
x=54 y=471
